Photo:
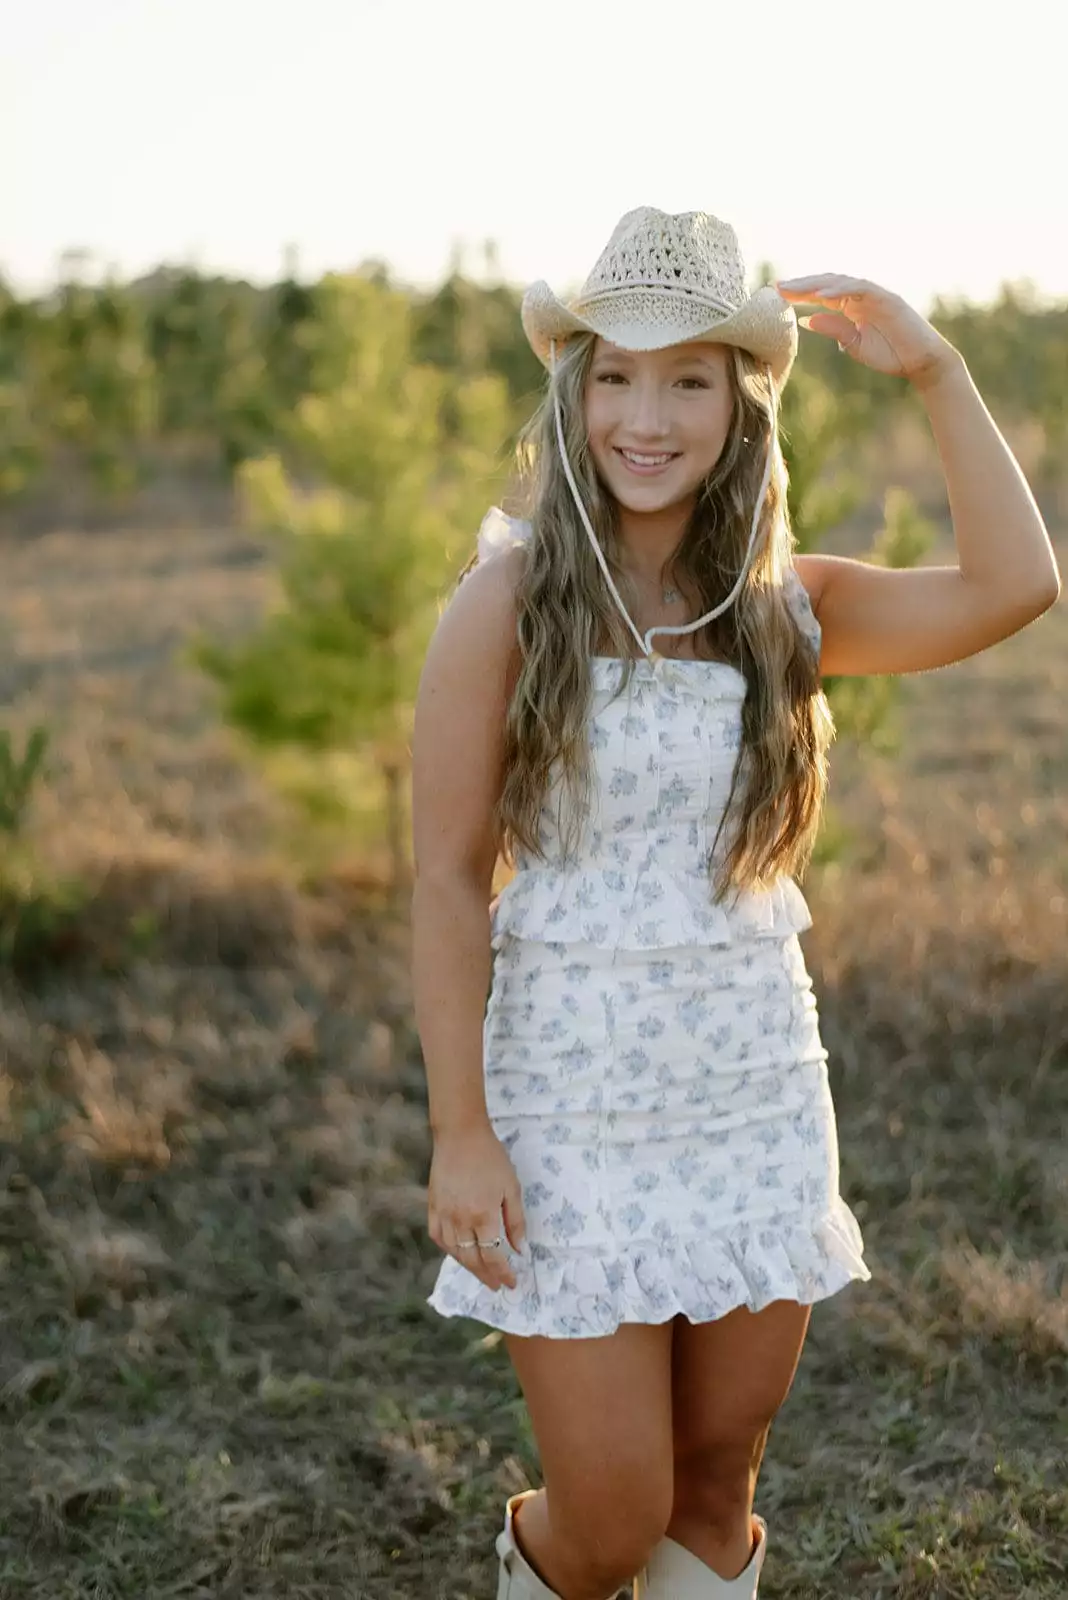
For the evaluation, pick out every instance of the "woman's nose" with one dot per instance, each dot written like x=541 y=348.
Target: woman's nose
x=649 y=412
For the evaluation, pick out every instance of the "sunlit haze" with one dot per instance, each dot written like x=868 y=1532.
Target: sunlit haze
x=919 y=145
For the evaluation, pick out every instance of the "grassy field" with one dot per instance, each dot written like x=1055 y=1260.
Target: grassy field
x=218 y=1375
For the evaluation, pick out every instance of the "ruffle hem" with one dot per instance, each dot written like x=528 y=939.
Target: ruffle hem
x=579 y=1294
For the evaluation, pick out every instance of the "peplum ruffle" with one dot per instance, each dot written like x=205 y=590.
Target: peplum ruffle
x=577 y=1294
x=653 y=909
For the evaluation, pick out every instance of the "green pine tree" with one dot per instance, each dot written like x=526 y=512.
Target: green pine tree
x=391 y=465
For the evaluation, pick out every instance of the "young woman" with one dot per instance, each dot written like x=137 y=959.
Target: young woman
x=635 y=1166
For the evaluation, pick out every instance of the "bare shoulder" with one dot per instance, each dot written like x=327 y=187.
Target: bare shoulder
x=476 y=632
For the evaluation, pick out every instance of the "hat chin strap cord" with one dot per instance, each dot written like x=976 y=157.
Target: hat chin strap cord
x=688 y=627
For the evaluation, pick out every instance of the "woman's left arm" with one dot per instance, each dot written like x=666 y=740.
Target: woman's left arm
x=893 y=620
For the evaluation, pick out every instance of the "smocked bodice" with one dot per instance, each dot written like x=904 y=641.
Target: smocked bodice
x=662 y=755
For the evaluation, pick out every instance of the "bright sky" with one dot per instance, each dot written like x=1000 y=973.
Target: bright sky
x=921 y=145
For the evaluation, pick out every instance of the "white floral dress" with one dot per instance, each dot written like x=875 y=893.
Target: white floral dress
x=653 y=1062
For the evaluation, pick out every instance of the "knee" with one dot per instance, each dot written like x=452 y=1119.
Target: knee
x=611 y=1540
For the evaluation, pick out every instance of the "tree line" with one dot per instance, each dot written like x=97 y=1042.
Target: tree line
x=365 y=428
x=105 y=377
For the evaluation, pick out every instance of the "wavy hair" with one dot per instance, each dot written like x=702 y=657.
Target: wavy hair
x=565 y=613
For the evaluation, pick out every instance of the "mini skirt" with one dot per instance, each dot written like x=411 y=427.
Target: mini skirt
x=669 y=1118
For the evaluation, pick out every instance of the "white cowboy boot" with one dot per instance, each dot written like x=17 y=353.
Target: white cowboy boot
x=675 y=1573
x=518 y=1580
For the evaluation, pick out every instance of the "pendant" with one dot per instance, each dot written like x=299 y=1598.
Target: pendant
x=669 y=596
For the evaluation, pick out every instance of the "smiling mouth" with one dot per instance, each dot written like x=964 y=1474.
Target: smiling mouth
x=638 y=459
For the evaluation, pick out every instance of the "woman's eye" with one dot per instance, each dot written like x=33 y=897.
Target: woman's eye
x=604 y=377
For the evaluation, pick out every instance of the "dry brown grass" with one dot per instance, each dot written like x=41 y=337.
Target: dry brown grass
x=218 y=1375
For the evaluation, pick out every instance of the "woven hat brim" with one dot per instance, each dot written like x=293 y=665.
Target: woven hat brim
x=765 y=325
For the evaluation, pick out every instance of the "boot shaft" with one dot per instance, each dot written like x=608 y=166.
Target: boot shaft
x=671 y=1573
x=517 y=1580
x=675 y=1573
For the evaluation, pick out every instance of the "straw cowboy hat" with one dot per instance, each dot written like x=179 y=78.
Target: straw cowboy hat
x=667 y=279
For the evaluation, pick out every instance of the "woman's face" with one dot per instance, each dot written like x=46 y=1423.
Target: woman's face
x=675 y=403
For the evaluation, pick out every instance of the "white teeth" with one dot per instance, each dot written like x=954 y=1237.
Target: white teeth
x=645 y=461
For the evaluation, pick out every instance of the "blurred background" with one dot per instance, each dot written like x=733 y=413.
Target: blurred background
x=261 y=374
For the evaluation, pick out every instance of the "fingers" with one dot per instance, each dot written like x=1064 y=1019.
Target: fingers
x=513 y=1219
x=491 y=1266
x=832 y=324
x=826 y=286
x=495 y=1269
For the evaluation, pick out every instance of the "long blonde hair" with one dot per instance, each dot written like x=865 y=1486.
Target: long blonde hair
x=564 y=610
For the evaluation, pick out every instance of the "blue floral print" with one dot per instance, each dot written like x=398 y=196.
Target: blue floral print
x=653 y=1062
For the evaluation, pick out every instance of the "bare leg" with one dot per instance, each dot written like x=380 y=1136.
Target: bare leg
x=601 y=1414
x=730 y=1377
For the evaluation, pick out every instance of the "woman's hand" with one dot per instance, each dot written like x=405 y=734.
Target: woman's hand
x=473 y=1184
x=875 y=327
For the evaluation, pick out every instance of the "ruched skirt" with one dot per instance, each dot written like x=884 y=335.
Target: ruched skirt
x=670 y=1121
